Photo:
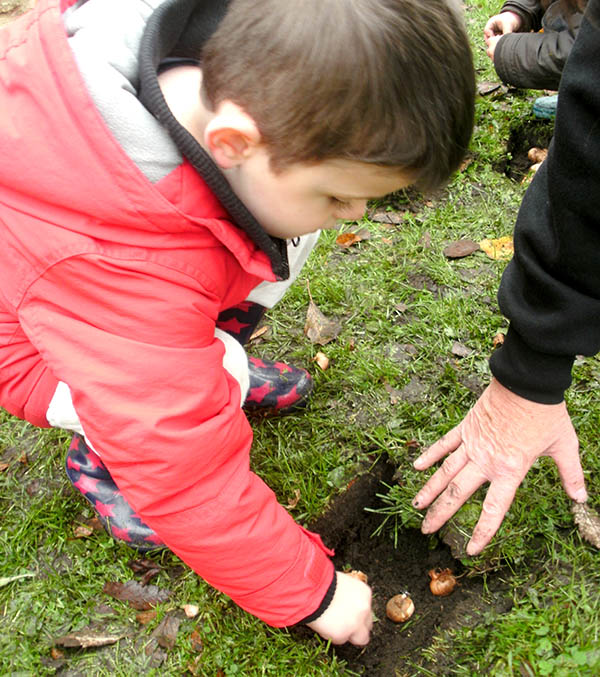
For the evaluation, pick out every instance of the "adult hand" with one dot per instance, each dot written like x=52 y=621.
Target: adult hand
x=348 y=618
x=497 y=442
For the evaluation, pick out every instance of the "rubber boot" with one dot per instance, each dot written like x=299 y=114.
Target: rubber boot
x=275 y=387
x=90 y=477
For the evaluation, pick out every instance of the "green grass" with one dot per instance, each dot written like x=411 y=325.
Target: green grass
x=393 y=378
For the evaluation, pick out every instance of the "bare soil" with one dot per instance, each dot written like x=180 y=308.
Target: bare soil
x=395 y=649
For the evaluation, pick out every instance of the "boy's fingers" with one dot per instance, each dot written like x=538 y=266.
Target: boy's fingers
x=449 y=442
x=457 y=490
x=495 y=506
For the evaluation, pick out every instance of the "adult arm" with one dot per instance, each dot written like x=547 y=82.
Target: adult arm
x=551 y=294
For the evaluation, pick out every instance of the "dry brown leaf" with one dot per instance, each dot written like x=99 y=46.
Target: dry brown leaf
x=259 y=332
x=82 y=531
x=461 y=350
x=56 y=654
x=346 y=240
x=166 y=632
x=460 y=249
x=319 y=328
x=196 y=641
x=293 y=502
x=3 y=467
x=498 y=339
x=87 y=638
x=382 y=216
x=486 y=87
x=501 y=248
x=588 y=523
x=138 y=596
x=23 y=459
x=144 y=617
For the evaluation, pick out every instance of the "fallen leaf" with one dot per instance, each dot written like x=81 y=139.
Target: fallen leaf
x=259 y=332
x=588 y=523
x=319 y=328
x=322 y=360
x=191 y=610
x=9 y=579
x=166 y=632
x=498 y=339
x=146 y=567
x=194 y=666
x=23 y=459
x=292 y=503
x=382 y=216
x=138 y=596
x=95 y=524
x=82 y=531
x=86 y=638
x=501 y=248
x=346 y=240
x=56 y=654
x=461 y=350
x=465 y=163
x=196 y=641
x=487 y=87
x=144 y=617
x=3 y=467
x=460 y=249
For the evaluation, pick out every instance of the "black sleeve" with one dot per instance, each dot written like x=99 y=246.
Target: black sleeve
x=550 y=291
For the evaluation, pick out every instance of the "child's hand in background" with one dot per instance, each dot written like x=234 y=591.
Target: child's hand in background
x=497 y=26
x=348 y=618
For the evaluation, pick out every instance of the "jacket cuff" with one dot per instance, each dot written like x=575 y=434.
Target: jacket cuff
x=324 y=604
x=538 y=377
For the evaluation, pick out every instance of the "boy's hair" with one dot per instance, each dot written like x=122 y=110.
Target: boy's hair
x=388 y=82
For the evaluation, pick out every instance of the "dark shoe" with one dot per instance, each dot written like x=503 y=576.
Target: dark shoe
x=276 y=387
x=90 y=477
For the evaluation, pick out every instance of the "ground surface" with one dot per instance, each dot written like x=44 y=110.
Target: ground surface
x=396 y=568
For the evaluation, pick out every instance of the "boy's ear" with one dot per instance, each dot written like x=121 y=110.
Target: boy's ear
x=231 y=135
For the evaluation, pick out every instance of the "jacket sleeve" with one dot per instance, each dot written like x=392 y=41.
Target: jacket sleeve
x=551 y=289
x=148 y=384
x=533 y=60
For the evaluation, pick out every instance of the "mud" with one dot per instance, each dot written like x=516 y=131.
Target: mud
x=395 y=649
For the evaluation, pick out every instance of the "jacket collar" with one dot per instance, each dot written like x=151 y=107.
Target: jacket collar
x=180 y=27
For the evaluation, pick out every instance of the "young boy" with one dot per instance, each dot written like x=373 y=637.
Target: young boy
x=156 y=158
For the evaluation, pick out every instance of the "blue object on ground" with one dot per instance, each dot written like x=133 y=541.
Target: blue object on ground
x=545 y=106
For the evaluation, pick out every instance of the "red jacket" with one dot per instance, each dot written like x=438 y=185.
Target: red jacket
x=117 y=283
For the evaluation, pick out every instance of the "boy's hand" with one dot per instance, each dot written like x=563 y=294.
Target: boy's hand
x=348 y=618
x=497 y=442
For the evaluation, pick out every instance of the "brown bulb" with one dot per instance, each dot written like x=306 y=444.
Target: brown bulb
x=400 y=608
x=359 y=574
x=442 y=582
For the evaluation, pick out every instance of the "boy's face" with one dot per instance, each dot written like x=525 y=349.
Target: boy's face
x=304 y=198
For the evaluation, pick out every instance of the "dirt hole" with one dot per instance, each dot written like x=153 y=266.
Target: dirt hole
x=523 y=136
x=348 y=528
